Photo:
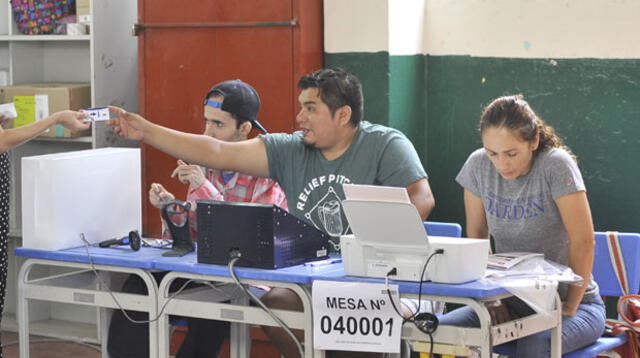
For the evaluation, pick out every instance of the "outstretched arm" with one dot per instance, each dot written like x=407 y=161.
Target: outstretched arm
x=11 y=138
x=248 y=157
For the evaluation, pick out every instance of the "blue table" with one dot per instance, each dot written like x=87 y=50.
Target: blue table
x=208 y=303
x=299 y=278
x=81 y=286
x=205 y=303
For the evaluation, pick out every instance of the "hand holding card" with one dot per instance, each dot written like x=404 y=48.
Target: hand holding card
x=97 y=114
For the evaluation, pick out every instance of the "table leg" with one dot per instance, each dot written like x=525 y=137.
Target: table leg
x=556 y=332
x=152 y=289
x=105 y=320
x=54 y=288
x=239 y=335
x=23 y=310
x=486 y=348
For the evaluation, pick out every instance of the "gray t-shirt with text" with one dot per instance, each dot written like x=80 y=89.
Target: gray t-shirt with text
x=521 y=213
x=378 y=155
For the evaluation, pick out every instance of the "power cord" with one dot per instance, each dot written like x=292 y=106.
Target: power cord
x=236 y=255
x=124 y=312
x=426 y=322
x=424 y=270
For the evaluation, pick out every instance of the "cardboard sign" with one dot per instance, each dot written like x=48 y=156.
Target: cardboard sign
x=354 y=316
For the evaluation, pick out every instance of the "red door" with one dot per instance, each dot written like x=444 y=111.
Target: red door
x=187 y=46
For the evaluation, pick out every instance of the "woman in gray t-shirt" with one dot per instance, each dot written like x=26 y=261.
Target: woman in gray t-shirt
x=525 y=190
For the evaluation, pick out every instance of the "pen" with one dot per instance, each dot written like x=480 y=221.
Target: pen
x=323 y=262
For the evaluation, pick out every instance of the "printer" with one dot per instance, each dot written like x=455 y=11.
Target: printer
x=389 y=233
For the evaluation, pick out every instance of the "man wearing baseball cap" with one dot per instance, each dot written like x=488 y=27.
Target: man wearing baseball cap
x=230 y=113
x=239 y=99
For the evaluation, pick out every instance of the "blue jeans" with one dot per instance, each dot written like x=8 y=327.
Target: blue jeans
x=577 y=332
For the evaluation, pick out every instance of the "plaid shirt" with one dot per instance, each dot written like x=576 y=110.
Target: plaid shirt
x=241 y=188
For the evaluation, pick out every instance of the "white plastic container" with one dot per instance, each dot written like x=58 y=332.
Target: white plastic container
x=96 y=192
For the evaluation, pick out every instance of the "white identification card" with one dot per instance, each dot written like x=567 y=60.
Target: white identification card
x=97 y=114
x=355 y=316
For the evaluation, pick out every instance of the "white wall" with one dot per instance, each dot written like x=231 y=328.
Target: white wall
x=488 y=28
x=355 y=26
x=534 y=28
x=406 y=24
x=374 y=25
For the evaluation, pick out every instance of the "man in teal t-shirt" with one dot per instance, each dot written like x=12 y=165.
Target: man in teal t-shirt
x=377 y=155
x=333 y=147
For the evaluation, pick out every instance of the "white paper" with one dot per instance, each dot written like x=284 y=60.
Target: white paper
x=507 y=260
x=534 y=281
x=8 y=110
x=539 y=294
x=4 y=77
x=355 y=316
x=375 y=193
x=42 y=106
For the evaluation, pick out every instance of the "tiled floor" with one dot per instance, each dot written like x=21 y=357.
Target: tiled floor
x=48 y=349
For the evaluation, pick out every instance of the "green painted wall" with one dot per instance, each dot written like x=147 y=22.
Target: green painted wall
x=407 y=100
x=394 y=91
x=594 y=104
x=372 y=70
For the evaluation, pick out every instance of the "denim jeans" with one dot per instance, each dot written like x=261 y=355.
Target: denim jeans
x=577 y=332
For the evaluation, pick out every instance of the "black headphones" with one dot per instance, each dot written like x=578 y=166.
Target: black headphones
x=426 y=322
x=133 y=240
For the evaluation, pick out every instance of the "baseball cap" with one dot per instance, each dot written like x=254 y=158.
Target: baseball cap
x=240 y=99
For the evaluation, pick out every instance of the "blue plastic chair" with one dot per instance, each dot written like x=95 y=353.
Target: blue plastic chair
x=443 y=229
x=605 y=276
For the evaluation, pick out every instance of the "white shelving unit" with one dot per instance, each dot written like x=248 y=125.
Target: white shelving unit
x=107 y=59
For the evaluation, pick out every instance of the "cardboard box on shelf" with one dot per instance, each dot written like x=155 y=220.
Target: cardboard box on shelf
x=83 y=11
x=56 y=96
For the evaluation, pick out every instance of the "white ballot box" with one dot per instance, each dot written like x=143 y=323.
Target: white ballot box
x=95 y=192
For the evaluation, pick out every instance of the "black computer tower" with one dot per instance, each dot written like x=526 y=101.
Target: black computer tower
x=266 y=235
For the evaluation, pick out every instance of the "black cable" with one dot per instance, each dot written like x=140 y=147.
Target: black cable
x=396 y=308
x=235 y=256
x=430 y=344
x=424 y=270
x=429 y=322
x=113 y=297
x=429 y=333
x=412 y=320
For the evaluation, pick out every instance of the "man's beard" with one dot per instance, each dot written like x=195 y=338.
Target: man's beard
x=309 y=145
